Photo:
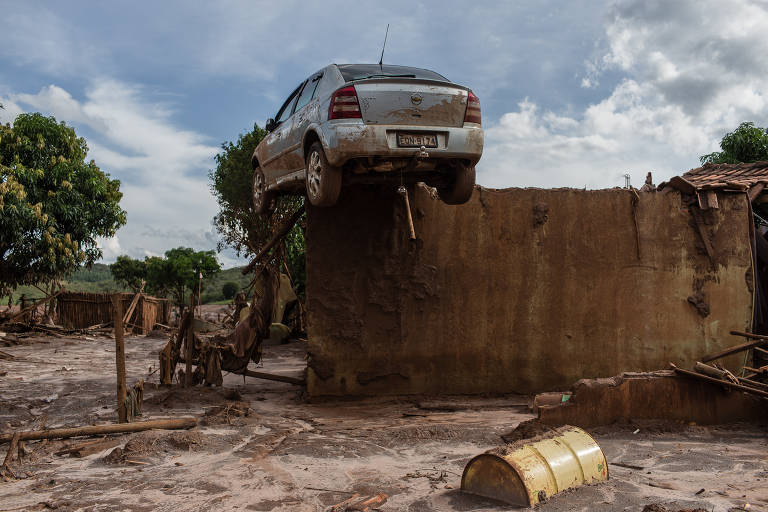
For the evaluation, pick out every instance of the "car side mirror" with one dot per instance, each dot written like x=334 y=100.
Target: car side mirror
x=271 y=124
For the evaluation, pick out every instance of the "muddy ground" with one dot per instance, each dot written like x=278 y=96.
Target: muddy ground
x=266 y=447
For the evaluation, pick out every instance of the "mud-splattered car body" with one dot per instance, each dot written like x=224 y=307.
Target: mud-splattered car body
x=374 y=124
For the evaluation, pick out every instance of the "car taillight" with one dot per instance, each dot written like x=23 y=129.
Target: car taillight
x=473 y=109
x=344 y=104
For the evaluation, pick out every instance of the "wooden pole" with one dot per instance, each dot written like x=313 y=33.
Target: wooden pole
x=190 y=341
x=409 y=218
x=117 y=305
x=91 y=430
x=734 y=349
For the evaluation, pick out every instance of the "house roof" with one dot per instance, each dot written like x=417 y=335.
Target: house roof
x=738 y=176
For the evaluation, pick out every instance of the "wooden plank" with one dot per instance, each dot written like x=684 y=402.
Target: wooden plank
x=119 y=358
x=113 y=428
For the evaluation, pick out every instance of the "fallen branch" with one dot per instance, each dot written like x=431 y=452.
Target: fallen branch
x=279 y=235
x=119 y=428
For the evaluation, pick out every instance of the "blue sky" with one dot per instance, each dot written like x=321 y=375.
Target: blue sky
x=574 y=93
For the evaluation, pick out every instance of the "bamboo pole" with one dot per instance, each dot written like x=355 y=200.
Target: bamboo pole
x=113 y=428
x=122 y=416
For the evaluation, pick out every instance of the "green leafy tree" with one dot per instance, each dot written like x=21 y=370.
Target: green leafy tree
x=176 y=275
x=237 y=224
x=229 y=290
x=53 y=204
x=129 y=272
x=747 y=143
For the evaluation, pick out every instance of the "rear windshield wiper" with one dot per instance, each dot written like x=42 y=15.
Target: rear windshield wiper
x=383 y=75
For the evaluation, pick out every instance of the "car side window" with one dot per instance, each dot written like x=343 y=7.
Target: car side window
x=309 y=91
x=287 y=109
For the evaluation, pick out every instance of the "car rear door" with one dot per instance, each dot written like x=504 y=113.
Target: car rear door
x=272 y=162
x=305 y=112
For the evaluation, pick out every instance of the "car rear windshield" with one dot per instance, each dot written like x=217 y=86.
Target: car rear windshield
x=352 y=72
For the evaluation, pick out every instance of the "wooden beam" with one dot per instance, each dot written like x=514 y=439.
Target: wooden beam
x=270 y=376
x=90 y=430
x=755 y=190
x=732 y=350
x=726 y=383
x=134 y=302
x=749 y=335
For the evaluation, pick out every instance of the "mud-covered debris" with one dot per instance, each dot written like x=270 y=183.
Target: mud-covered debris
x=656 y=507
x=226 y=413
x=150 y=444
x=526 y=430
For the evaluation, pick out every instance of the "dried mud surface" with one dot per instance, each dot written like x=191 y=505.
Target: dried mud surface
x=262 y=446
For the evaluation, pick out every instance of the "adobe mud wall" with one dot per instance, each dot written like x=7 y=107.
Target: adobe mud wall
x=519 y=290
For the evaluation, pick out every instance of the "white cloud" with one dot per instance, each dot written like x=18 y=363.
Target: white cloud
x=110 y=248
x=162 y=168
x=693 y=71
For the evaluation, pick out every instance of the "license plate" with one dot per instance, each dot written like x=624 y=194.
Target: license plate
x=416 y=140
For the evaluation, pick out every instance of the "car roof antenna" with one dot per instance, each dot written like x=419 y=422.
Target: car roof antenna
x=381 y=59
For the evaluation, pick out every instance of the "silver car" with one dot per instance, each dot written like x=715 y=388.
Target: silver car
x=368 y=123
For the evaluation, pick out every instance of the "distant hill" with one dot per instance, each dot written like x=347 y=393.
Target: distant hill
x=99 y=279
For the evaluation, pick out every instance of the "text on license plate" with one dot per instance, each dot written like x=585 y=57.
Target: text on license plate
x=416 y=140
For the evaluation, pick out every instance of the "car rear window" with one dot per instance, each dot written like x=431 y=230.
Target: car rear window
x=352 y=72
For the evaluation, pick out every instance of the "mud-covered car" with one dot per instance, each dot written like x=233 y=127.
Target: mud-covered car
x=366 y=123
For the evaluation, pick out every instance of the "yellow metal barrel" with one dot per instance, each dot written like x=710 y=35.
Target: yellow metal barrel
x=529 y=471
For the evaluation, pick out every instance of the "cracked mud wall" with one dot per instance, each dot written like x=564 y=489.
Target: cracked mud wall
x=519 y=290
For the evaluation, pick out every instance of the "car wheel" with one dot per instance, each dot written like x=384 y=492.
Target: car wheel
x=462 y=187
x=323 y=180
x=262 y=198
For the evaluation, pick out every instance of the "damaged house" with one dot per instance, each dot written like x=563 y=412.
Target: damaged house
x=522 y=290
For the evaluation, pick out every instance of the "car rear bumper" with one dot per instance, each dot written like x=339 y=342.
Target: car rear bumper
x=345 y=140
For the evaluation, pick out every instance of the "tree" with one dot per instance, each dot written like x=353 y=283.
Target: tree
x=229 y=290
x=129 y=272
x=747 y=143
x=237 y=224
x=175 y=275
x=53 y=204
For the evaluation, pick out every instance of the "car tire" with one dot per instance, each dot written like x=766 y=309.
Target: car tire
x=323 y=180
x=460 y=191
x=262 y=198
